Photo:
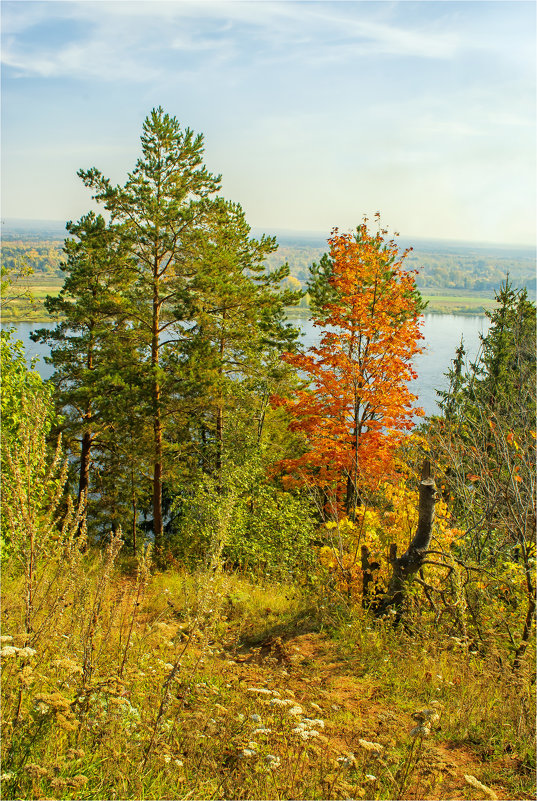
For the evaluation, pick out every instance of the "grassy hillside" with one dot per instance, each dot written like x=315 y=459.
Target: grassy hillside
x=178 y=685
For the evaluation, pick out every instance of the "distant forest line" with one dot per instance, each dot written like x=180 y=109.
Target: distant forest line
x=452 y=267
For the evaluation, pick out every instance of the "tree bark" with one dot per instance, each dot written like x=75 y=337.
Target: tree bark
x=83 y=478
x=87 y=439
x=220 y=407
x=368 y=600
x=157 y=423
x=406 y=566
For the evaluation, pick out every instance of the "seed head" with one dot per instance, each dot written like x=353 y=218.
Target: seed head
x=376 y=748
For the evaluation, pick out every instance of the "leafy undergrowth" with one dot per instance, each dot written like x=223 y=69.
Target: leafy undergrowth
x=211 y=686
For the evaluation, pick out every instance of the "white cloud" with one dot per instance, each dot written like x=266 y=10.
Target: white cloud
x=315 y=112
x=122 y=40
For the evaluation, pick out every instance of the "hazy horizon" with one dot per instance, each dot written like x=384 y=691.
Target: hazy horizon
x=315 y=113
x=27 y=224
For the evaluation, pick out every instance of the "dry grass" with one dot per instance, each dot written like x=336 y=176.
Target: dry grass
x=143 y=688
x=212 y=685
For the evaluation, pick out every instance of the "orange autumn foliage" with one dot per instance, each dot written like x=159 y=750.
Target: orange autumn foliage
x=357 y=403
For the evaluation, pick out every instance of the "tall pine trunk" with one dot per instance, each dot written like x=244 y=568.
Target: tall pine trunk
x=87 y=437
x=85 y=454
x=157 y=422
x=220 y=407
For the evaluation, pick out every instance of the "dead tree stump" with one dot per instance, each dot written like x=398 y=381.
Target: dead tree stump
x=406 y=566
x=369 y=593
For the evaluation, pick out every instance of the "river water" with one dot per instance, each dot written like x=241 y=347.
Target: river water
x=442 y=334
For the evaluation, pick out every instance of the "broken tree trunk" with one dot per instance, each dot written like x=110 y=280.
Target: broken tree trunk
x=369 y=593
x=406 y=566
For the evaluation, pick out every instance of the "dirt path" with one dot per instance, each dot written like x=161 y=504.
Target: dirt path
x=354 y=708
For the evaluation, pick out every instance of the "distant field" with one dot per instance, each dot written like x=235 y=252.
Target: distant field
x=455 y=278
x=449 y=304
x=23 y=310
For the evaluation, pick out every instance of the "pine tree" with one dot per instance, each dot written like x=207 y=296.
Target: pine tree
x=238 y=333
x=160 y=212
x=86 y=336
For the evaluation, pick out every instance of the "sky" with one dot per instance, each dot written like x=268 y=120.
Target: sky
x=315 y=113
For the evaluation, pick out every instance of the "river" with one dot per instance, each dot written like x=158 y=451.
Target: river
x=442 y=334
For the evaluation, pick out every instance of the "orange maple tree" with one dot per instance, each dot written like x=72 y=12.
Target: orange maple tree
x=356 y=404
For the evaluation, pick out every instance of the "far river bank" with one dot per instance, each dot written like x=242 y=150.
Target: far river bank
x=442 y=335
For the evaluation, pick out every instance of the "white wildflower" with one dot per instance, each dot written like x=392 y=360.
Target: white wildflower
x=6 y=777
x=261 y=731
x=347 y=761
x=178 y=763
x=255 y=718
x=41 y=708
x=296 y=710
x=473 y=782
x=6 y=638
x=370 y=777
x=27 y=652
x=248 y=752
x=282 y=702
x=304 y=732
x=68 y=664
x=252 y=744
x=167 y=759
x=311 y=722
x=273 y=761
x=368 y=746
x=168 y=666
x=308 y=734
x=8 y=650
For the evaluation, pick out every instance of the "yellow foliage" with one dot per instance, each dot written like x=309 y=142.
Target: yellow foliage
x=393 y=519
